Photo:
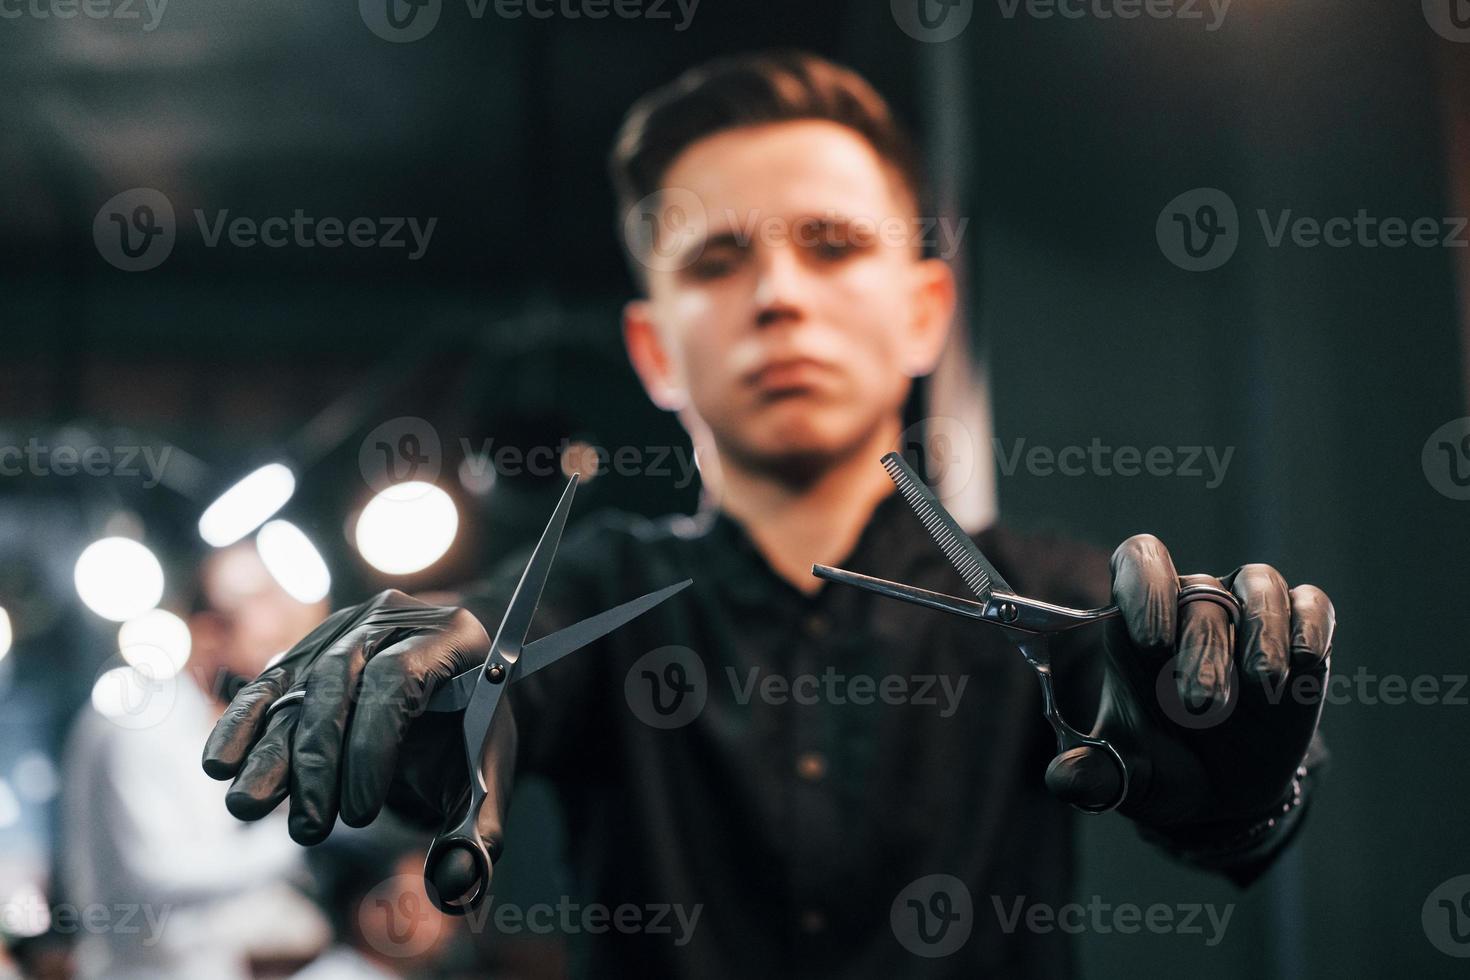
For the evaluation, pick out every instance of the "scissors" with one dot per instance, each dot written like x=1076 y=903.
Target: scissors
x=478 y=691
x=1030 y=623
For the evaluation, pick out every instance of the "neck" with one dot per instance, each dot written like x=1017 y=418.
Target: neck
x=820 y=520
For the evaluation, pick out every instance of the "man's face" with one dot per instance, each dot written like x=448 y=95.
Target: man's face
x=788 y=304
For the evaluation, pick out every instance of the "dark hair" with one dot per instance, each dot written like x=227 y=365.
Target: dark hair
x=752 y=90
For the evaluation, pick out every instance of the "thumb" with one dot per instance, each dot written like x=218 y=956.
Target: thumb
x=1086 y=777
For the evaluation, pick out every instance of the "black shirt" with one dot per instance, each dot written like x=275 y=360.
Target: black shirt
x=839 y=785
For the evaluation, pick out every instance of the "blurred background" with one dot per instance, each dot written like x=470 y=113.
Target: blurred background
x=144 y=377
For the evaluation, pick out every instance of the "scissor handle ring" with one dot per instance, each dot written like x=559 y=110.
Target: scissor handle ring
x=1079 y=740
x=438 y=850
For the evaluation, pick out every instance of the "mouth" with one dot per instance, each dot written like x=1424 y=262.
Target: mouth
x=788 y=374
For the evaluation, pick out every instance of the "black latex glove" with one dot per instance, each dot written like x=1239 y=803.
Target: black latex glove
x=361 y=737
x=1212 y=721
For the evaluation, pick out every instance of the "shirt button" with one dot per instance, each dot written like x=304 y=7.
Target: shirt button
x=813 y=921
x=811 y=766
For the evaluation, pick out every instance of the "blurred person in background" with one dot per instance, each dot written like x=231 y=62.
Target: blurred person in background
x=143 y=830
x=370 y=885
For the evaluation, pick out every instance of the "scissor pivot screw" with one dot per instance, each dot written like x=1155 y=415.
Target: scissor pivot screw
x=497 y=673
x=1008 y=612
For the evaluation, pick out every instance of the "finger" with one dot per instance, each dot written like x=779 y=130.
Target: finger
x=1264 y=635
x=1313 y=621
x=316 y=750
x=1085 y=777
x=396 y=685
x=264 y=779
x=1204 y=664
x=241 y=723
x=1146 y=589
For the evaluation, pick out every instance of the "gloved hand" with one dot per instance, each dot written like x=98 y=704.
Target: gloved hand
x=361 y=737
x=1212 y=721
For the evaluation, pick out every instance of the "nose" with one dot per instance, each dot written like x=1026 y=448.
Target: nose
x=779 y=288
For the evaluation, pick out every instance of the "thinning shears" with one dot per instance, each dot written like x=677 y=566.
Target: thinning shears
x=1030 y=623
x=478 y=692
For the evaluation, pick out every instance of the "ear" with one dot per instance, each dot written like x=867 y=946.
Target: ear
x=651 y=360
x=933 y=303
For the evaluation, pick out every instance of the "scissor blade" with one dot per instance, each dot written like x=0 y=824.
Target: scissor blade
x=978 y=573
x=908 y=593
x=511 y=635
x=553 y=646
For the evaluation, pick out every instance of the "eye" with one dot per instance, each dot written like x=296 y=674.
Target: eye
x=715 y=263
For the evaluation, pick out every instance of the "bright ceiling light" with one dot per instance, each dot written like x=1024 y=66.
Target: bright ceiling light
x=156 y=632
x=134 y=697
x=293 y=561
x=407 y=527
x=118 y=578
x=6 y=634
x=247 y=505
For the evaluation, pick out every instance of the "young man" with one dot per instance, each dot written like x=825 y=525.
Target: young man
x=802 y=835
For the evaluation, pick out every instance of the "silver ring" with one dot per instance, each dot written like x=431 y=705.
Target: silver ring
x=285 y=701
x=1193 y=593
